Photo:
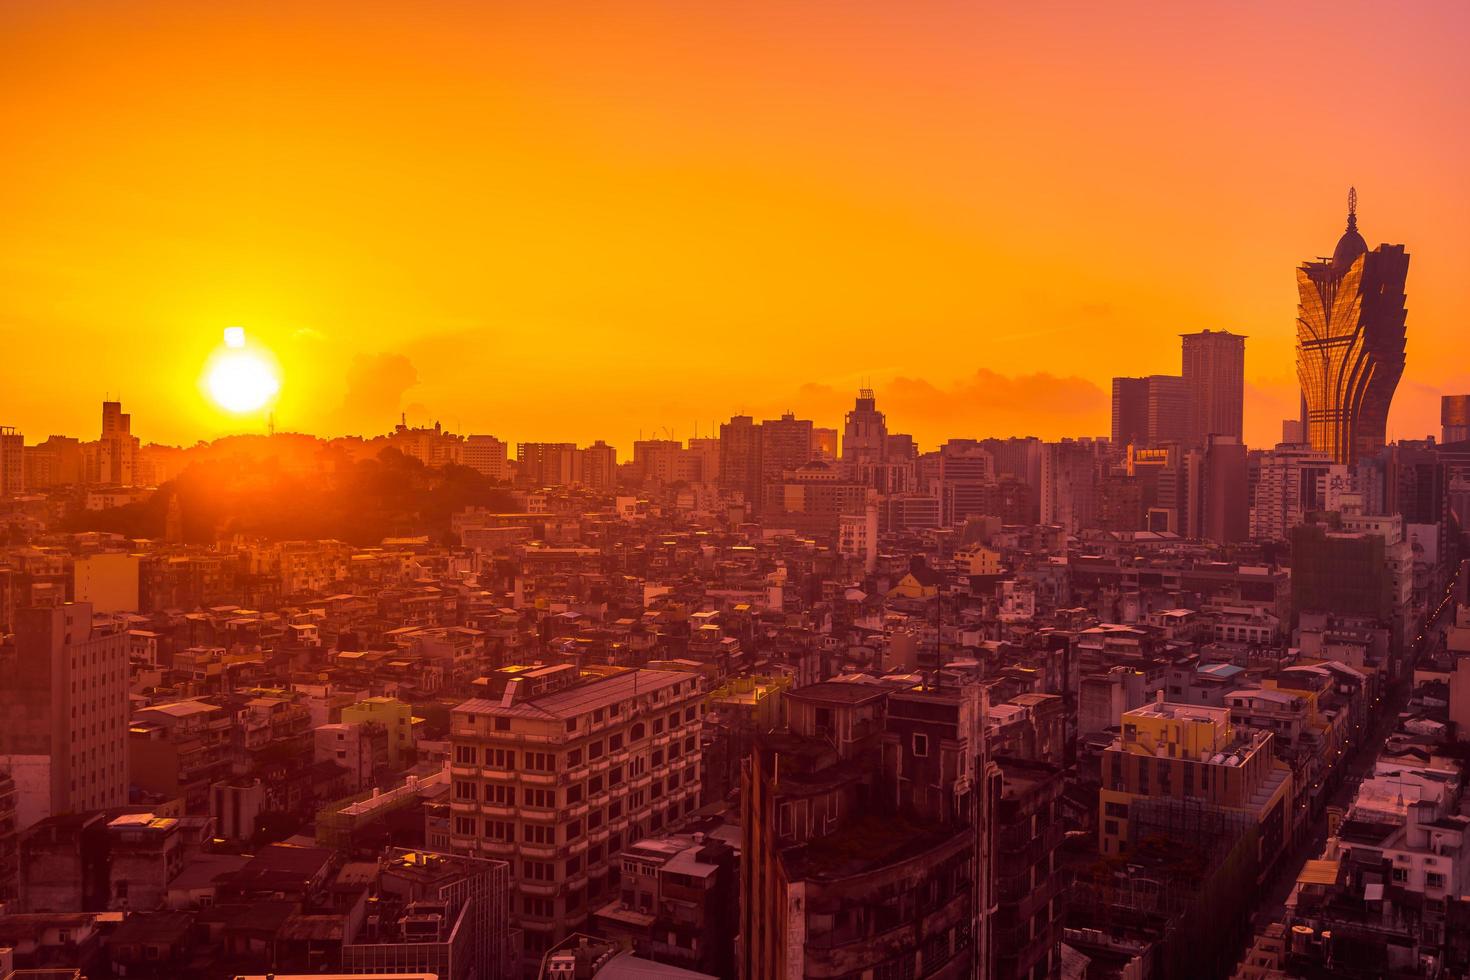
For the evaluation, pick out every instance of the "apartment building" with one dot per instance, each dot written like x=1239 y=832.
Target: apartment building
x=558 y=769
x=65 y=710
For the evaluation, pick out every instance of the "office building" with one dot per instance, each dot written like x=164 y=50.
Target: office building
x=865 y=431
x=1150 y=411
x=1454 y=418
x=1214 y=376
x=1350 y=342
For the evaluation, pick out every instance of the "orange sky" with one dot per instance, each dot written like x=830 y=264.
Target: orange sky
x=579 y=220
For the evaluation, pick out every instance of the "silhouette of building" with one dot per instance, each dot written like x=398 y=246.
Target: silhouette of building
x=865 y=433
x=117 y=450
x=1151 y=410
x=1214 y=376
x=1350 y=342
x=12 y=461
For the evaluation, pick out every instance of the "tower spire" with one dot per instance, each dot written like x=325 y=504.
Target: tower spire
x=1352 y=209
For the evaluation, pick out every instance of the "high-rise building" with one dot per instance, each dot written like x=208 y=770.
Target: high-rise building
x=786 y=444
x=1350 y=342
x=1069 y=485
x=1214 y=376
x=557 y=770
x=599 y=466
x=657 y=460
x=1224 y=491
x=548 y=464
x=740 y=454
x=865 y=432
x=1454 y=418
x=64 y=712
x=1130 y=411
x=486 y=455
x=1150 y=411
x=12 y=461
x=1289 y=484
x=117 y=450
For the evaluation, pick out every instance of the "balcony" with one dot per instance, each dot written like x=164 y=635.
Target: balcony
x=540 y=778
x=544 y=889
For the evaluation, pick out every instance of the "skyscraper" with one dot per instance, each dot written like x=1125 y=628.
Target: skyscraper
x=1214 y=377
x=1130 y=411
x=1350 y=342
x=865 y=435
x=1150 y=411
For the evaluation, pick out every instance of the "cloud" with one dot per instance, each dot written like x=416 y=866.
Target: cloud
x=376 y=384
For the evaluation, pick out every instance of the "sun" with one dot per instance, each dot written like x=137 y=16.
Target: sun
x=239 y=379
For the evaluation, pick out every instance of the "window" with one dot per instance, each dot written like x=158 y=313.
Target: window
x=574 y=757
x=466 y=755
x=502 y=724
x=538 y=870
x=571 y=724
x=540 y=762
x=921 y=745
x=689 y=714
x=639 y=730
x=464 y=790
x=614 y=742
x=465 y=826
x=574 y=794
x=500 y=830
x=504 y=759
x=500 y=795
x=1401 y=874
x=1434 y=880
x=540 y=799
x=1116 y=809
x=594 y=751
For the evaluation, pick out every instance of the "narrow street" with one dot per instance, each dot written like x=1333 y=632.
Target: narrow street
x=1271 y=906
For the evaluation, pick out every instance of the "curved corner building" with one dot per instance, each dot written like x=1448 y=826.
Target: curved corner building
x=1350 y=342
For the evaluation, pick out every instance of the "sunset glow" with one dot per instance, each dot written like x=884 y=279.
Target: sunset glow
x=594 y=203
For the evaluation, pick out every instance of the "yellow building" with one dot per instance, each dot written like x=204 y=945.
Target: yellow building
x=394 y=715
x=1185 y=751
x=978 y=560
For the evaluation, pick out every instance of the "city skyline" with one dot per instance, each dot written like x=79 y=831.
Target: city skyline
x=595 y=235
